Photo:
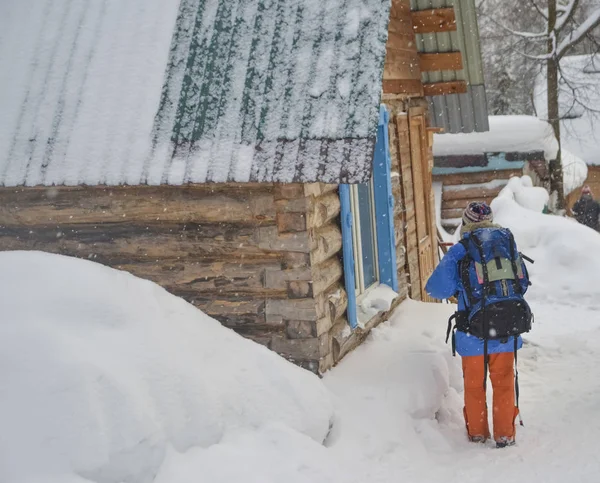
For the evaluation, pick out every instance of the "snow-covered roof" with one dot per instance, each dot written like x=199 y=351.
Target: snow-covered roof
x=510 y=134
x=520 y=134
x=579 y=100
x=177 y=91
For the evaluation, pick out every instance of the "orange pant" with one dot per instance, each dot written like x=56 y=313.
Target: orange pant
x=501 y=369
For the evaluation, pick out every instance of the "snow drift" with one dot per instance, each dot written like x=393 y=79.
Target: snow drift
x=102 y=374
x=568 y=267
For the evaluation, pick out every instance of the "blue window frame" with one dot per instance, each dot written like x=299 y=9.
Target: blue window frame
x=368 y=241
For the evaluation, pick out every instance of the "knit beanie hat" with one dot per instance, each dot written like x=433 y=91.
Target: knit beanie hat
x=476 y=212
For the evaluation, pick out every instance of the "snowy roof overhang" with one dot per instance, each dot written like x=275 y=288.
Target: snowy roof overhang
x=189 y=91
x=507 y=134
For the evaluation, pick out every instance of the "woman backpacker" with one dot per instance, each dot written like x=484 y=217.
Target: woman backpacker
x=486 y=273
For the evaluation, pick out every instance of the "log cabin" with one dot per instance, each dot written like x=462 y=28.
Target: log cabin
x=476 y=166
x=269 y=162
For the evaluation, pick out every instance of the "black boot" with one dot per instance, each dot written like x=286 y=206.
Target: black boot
x=504 y=442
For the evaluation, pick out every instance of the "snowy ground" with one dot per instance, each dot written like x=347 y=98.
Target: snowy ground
x=70 y=414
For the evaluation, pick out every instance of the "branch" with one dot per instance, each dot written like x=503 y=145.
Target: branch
x=577 y=35
x=516 y=33
x=568 y=11
x=542 y=12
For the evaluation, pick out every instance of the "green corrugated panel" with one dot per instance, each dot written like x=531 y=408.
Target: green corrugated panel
x=456 y=112
x=469 y=32
x=273 y=90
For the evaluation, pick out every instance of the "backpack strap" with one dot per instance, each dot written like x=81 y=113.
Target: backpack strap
x=486 y=286
x=461 y=322
x=452 y=330
x=513 y=261
x=463 y=269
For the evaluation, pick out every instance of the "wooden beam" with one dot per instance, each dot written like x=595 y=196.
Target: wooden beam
x=445 y=88
x=402 y=41
x=440 y=61
x=471 y=193
x=435 y=130
x=476 y=178
x=401 y=65
x=400 y=9
x=434 y=20
x=406 y=87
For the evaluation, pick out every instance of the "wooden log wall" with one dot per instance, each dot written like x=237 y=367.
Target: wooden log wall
x=455 y=198
x=239 y=252
x=264 y=259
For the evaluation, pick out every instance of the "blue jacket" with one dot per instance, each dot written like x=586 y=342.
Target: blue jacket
x=445 y=282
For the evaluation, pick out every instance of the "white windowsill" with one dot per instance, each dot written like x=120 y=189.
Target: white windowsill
x=376 y=299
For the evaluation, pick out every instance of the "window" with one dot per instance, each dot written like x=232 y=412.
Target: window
x=364 y=236
x=369 y=248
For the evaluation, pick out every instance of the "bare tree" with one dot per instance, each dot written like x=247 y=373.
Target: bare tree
x=558 y=27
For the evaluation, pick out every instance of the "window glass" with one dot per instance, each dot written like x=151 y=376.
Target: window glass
x=367 y=234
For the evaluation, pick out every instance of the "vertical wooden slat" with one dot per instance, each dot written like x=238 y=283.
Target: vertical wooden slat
x=422 y=162
x=410 y=232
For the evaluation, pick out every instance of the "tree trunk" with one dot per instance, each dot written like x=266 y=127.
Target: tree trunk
x=557 y=194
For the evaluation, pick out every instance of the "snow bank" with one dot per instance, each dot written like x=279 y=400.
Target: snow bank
x=102 y=374
x=404 y=384
x=575 y=171
x=379 y=299
x=567 y=264
x=525 y=194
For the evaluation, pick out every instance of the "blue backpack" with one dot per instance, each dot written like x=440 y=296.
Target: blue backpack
x=494 y=278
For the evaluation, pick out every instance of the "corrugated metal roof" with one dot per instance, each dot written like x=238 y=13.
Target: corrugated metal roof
x=254 y=90
x=456 y=113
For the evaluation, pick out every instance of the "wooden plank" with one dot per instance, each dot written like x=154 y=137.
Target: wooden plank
x=440 y=61
x=445 y=88
x=410 y=225
x=434 y=20
x=402 y=41
x=234 y=278
x=222 y=308
x=121 y=243
x=477 y=178
x=403 y=87
x=462 y=203
x=401 y=65
x=470 y=193
x=144 y=204
x=452 y=213
x=401 y=24
x=288 y=191
x=400 y=9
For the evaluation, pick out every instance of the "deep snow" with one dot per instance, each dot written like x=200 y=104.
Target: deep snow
x=103 y=374
x=396 y=399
